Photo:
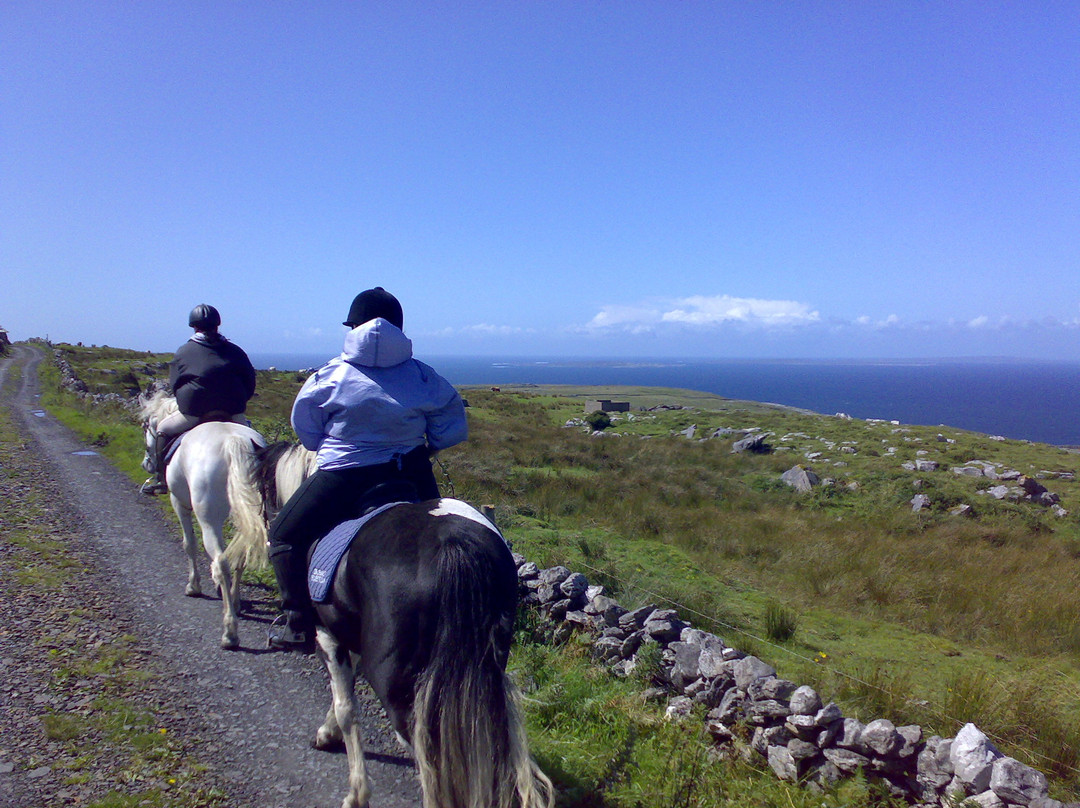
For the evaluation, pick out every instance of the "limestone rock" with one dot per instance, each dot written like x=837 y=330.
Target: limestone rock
x=805 y=701
x=753 y=443
x=973 y=757
x=802 y=480
x=1017 y=783
x=846 y=760
x=783 y=763
x=935 y=769
x=749 y=669
x=919 y=501
x=881 y=737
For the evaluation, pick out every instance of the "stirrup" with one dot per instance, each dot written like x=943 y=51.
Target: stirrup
x=284 y=638
x=153 y=486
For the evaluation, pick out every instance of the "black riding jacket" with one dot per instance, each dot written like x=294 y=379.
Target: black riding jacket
x=210 y=373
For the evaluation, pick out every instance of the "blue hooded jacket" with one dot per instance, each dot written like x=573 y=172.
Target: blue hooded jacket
x=375 y=402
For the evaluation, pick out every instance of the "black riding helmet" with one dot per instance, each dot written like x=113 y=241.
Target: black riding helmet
x=204 y=317
x=374 y=303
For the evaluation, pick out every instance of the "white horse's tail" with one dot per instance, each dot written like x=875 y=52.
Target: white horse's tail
x=271 y=478
x=248 y=545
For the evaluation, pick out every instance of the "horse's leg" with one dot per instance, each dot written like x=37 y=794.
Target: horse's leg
x=341 y=721
x=328 y=737
x=183 y=513
x=213 y=526
x=238 y=575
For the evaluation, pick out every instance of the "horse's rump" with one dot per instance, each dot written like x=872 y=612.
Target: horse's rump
x=426 y=596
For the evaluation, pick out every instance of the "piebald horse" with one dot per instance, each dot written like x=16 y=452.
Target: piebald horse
x=423 y=606
x=210 y=476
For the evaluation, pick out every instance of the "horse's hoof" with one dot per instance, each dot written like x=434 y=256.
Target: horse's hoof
x=327 y=744
x=228 y=644
x=193 y=592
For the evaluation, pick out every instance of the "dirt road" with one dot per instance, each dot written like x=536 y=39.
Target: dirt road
x=254 y=711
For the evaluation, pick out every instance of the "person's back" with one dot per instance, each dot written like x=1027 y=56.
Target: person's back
x=208 y=373
x=373 y=416
x=209 y=376
x=375 y=401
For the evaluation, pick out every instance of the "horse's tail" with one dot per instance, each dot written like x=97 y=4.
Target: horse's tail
x=245 y=504
x=468 y=735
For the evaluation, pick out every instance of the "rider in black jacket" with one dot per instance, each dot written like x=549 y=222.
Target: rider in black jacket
x=212 y=379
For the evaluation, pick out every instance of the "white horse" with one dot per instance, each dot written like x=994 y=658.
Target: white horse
x=210 y=476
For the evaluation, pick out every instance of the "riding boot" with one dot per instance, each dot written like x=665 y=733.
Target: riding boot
x=156 y=485
x=297 y=631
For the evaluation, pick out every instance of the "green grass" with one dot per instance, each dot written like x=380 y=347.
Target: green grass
x=892 y=613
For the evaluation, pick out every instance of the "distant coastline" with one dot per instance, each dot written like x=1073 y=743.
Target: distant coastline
x=1019 y=399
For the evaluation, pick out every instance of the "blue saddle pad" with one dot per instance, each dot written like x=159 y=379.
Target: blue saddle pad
x=170 y=449
x=328 y=551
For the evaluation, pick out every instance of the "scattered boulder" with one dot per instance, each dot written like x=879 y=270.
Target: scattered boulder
x=801 y=479
x=752 y=443
x=968 y=471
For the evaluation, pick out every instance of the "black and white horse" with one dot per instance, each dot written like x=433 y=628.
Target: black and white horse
x=210 y=477
x=423 y=606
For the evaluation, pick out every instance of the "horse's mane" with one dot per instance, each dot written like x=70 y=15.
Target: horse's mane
x=157 y=406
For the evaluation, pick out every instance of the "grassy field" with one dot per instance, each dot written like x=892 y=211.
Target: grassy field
x=920 y=617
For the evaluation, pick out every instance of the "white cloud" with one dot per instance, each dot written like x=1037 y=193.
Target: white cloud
x=704 y=311
x=634 y=318
x=701 y=310
x=480 y=329
x=311 y=332
x=498 y=330
x=979 y=322
x=868 y=322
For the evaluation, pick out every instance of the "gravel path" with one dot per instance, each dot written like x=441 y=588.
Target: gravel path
x=242 y=721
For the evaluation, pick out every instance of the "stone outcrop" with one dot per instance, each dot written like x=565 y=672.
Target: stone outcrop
x=71 y=382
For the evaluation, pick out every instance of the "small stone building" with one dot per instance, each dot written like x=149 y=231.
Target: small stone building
x=606 y=405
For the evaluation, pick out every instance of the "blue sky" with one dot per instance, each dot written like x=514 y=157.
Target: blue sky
x=677 y=179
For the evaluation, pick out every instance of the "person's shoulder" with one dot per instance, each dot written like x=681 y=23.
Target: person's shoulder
x=428 y=373
x=328 y=370
x=235 y=350
x=187 y=348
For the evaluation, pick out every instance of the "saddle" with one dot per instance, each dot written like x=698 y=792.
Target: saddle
x=172 y=444
x=327 y=552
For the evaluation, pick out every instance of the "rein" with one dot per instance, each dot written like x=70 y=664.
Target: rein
x=446 y=475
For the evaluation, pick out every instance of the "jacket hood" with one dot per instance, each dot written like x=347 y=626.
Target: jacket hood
x=377 y=343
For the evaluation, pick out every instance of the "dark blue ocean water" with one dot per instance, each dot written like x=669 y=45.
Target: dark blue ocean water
x=1030 y=400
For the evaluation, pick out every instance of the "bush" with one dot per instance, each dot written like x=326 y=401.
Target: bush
x=599 y=421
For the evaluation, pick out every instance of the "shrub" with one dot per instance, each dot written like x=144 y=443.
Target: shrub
x=599 y=421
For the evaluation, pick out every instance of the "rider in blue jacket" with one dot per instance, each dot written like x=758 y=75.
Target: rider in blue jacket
x=372 y=415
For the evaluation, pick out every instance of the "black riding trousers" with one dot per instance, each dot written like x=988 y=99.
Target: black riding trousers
x=329 y=497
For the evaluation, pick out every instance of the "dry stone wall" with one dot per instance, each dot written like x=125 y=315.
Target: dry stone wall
x=789 y=728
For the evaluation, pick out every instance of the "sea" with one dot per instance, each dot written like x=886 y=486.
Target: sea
x=1020 y=399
